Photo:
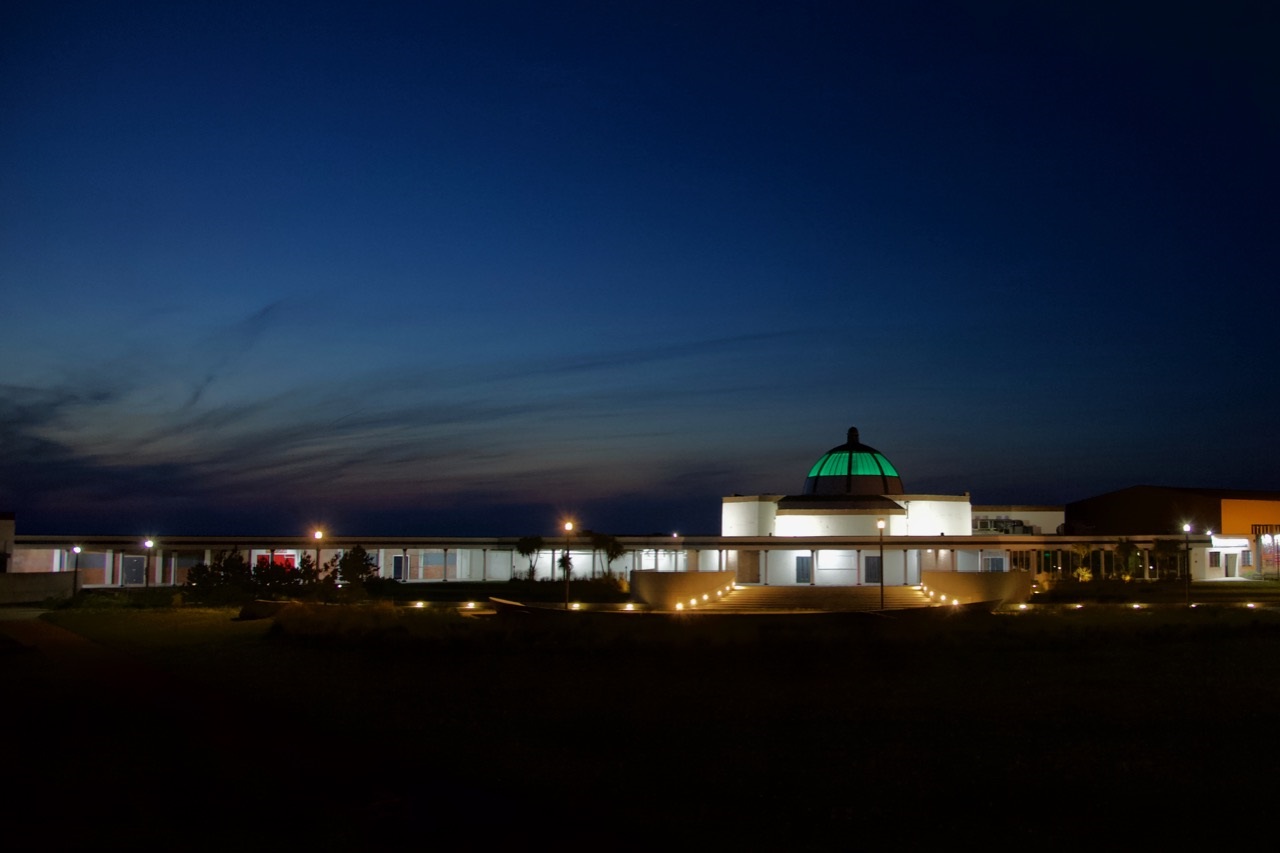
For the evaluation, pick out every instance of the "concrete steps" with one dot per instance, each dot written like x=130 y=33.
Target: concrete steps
x=828 y=599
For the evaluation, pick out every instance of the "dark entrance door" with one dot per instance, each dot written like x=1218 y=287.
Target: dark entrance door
x=804 y=569
x=133 y=571
x=873 y=569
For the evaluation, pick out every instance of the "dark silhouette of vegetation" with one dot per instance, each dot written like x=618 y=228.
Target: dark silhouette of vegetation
x=529 y=547
x=1126 y=560
x=229 y=579
x=610 y=548
x=356 y=567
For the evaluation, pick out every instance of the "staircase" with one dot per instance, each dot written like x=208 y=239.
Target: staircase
x=824 y=599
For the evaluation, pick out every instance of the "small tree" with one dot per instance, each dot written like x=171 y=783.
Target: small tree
x=273 y=577
x=610 y=547
x=356 y=567
x=529 y=547
x=1126 y=555
x=308 y=571
x=1167 y=552
x=227 y=577
x=1084 y=553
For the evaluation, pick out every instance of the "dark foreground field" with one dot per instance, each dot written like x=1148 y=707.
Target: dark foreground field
x=1110 y=729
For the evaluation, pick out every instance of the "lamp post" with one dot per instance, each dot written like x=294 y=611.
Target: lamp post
x=148 y=544
x=1186 y=537
x=318 y=535
x=75 y=571
x=880 y=527
x=566 y=562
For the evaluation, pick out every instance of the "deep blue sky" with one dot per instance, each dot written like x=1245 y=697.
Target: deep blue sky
x=464 y=268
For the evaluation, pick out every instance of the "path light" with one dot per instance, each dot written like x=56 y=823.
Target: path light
x=148 y=544
x=318 y=535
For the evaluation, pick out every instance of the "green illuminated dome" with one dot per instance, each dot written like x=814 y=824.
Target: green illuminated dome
x=853 y=468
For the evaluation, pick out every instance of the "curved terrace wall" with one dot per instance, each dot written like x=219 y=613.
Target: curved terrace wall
x=972 y=587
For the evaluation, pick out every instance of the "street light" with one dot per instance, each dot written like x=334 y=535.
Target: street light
x=1186 y=536
x=880 y=527
x=566 y=562
x=148 y=544
x=75 y=571
x=318 y=535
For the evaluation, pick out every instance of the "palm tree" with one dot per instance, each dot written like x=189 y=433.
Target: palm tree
x=611 y=548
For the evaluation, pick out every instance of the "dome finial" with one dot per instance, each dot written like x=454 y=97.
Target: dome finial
x=853 y=435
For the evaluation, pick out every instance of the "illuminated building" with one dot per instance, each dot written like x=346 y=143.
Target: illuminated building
x=852 y=524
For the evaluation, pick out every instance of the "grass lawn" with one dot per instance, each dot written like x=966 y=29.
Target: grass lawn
x=1107 y=727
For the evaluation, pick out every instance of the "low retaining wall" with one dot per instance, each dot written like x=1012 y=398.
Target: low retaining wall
x=34 y=587
x=972 y=587
x=664 y=590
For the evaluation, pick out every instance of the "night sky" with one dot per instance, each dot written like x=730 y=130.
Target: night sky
x=465 y=268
